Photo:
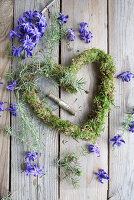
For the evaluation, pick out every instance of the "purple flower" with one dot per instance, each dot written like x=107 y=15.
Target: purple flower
x=83 y=26
x=131 y=127
x=29 y=15
x=14 y=34
x=34 y=170
x=28 y=44
x=17 y=51
x=117 y=140
x=88 y=37
x=94 y=149
x=85 y=35
x=13 y=108
x=126 y=76
x=11 y=85
x=31 y=27
x=31 y=156
x=1 y=106
x=71 y=35
x=102 y=175
x=62 y=18
x=29 y=169
x=41 y=21
x=1 y=82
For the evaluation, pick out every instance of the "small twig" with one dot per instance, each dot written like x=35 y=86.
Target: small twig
x=44 y=10
x=61 y=103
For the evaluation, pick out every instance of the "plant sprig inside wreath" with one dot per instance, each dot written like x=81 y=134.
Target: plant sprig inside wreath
x=33 y=26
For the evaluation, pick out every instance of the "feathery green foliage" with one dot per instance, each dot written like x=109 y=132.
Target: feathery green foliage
x=70 y=168
x=8 y=197
x=26 y=133
x=55 y=34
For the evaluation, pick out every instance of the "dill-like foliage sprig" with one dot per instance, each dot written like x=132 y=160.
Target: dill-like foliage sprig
x=8 y=197
x=26 y=133
x=55 y=34
x=70 y=168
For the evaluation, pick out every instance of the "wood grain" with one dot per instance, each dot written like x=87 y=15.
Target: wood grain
x=6 y=16
x=121 y=39
x=33 y=188
x=95 y=14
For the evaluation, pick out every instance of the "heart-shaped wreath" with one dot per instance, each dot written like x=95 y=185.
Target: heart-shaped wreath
x=101 y=103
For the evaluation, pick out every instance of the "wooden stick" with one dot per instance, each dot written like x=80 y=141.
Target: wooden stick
x=44 y=10
x=61 y=103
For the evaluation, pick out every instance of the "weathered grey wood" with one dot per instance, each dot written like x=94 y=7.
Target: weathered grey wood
x=121 y=39
x=6 y=16
x=95 y=14
x=33 y=188
x=49 y=183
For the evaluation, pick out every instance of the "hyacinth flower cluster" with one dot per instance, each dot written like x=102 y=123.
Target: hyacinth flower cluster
x=126 y=76
x=32 y=169
x=31 y=27
x=84 y=33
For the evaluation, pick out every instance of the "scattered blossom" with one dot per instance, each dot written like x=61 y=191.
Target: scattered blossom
x=131 y=127
x=1 y=105
x=71 y=35
x=62 y=18
x=84 y=33
x=33 y=168
x=126 y=76
x=117 y=140
x=11 y=85
x=94 y=149
x=102 y=175
x=13 y=109
x=31 y=156
x=31 y=27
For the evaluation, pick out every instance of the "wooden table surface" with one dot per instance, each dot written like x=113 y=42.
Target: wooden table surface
x=112 y=25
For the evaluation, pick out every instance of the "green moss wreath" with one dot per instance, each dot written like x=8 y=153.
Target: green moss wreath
x=101 y=103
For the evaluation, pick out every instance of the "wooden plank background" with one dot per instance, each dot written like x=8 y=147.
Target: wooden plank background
x=112 y=25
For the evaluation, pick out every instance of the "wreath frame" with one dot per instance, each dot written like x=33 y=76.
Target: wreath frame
x=101 y=103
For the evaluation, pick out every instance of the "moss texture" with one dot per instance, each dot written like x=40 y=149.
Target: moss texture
x=101 y=103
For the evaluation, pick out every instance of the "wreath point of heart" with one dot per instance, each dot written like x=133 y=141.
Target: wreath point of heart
x=101 y=103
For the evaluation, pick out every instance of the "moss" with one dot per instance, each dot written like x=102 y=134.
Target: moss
x=101 y=104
